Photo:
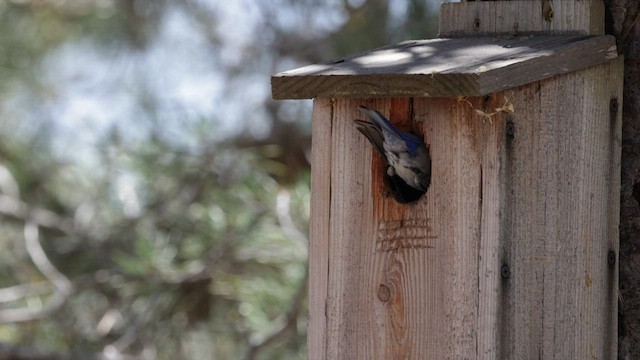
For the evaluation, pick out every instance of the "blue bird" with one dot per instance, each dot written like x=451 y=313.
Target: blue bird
x=405 y=153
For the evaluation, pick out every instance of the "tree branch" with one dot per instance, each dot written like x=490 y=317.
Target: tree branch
x=18 y=292
x=60 y=282
x=287 y=323
x=15 y=208
x=288 y=320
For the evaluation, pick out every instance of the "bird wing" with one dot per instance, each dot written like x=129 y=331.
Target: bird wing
x=373 y=133
x=411 y=141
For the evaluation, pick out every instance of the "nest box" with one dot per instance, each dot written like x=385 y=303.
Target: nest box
x=512 y=251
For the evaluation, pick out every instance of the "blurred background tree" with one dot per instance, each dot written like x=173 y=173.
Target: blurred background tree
x=154 y=201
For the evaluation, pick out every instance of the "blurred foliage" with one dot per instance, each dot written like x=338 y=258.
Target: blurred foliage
x=137 y=220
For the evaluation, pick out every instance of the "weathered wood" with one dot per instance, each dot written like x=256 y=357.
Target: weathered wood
x=481 y=18
x=445 y=67
x=560 y=218
x=388 y=262
x=319 y=227
x=505 y=257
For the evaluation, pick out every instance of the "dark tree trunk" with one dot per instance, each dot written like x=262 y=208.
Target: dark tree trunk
x=623 y=17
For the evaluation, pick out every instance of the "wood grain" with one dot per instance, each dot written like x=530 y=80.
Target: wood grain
x=445 y=67
x=561 y=168
x=481 y=18
x=399 y=300
x=319 y=227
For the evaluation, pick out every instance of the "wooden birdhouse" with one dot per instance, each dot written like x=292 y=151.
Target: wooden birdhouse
x=512 y=251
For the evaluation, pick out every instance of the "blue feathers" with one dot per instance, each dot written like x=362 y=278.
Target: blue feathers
x=405 y=153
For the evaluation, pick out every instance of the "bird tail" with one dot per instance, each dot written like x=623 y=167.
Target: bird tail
x=412 y=141
x=372 y=132
x=378 y=119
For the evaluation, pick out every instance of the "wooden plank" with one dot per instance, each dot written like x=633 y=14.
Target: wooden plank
x=445 y=67
x=319 y=228
x=394 y=269
x=350 y=240
x=613 y=182
x=520 y=73
x=482 y=18
x=455 y=205
x=561 y=171
x=491 y=230
x=522 y=244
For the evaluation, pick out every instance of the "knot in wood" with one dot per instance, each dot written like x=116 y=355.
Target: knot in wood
x=611 y=258
x=384 y=293
x=613 y=105
x=511 y=129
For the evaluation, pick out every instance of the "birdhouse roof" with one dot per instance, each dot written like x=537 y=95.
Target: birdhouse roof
x=445 y=67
